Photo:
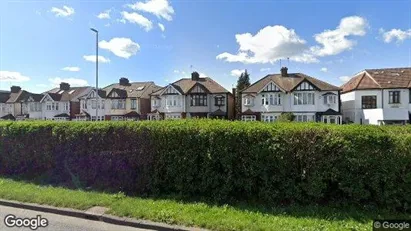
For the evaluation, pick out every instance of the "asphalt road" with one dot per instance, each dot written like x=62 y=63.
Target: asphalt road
x=58 y=222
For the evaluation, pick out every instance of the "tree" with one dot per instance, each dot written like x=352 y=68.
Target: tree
x=242 y=83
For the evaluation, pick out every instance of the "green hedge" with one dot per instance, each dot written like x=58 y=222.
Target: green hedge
x=218 y=161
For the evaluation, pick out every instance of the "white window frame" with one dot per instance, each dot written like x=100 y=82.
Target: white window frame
x=248 y=118
x=248 y=101
x=304 y=98
x=330 y=99
x=133 y=104
x=269 y=118
x=304 y=118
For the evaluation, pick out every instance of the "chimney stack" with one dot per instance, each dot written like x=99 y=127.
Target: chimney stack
x=195 y=76
x=284 y=72
x=124 y=81
x=15 y=89
x=64 y=86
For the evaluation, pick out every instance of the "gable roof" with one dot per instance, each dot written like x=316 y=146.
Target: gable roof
x=184 y=85
x=4 y=96
x=383 y=78
x=132 y=90
x=18 y=96
x=289 y=83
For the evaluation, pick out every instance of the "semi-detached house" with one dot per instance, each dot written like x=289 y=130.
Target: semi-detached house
x=308 y=98
x=62 y=103
x=378 y=96
x=195 y=97
x=119 y=101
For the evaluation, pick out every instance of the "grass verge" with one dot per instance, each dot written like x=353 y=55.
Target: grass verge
x=198 y=214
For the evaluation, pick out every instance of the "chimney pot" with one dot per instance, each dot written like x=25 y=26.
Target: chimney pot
x=195 y=76
x=124 y=81
x=284 y=72
x=15 y=89
x=64 y=86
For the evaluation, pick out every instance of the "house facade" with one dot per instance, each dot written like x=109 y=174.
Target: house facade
x=378 y=96
x=307 y=98
x=62 y=103
x=193 y=97
x=119 y=101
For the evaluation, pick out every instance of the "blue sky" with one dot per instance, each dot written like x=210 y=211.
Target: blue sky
x=45 y=42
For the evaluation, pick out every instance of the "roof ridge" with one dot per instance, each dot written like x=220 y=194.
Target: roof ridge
x=370 y=76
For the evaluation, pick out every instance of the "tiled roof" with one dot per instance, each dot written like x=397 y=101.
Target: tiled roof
x=185 y=84
x=67 y=95
x=18 y=96
x=289 y=82
x=4 y=97
x=379 y=79
x=134 y=89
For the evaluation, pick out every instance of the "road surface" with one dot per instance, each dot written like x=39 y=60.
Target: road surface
x=58 y=222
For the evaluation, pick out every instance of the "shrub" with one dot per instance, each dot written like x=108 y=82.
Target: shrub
x=219 y=161
x=286 y=117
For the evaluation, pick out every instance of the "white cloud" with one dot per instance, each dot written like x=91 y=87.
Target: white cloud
x=324 y=69
x=269 y=45
x=92 y=58
x=63 y=12
x=55 y=82
x=265 y=69
x=12 y=76
x=236 y=72
x=176 y=71
x=345 y=78
x=160 y=8
x=137 y=19
x=104 y=15
x=335 y=41
x=395 y=34
x=162 y=27
x=122 y=47
x=71 y=69
x=278 y=42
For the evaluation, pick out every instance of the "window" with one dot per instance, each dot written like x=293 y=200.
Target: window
x=264 y=100
x=66 y=106
x=248 y=118
x=155 y=102
x=275 y=99
x=133 y=103
x=117 y=118
x=394 y=96
x=304 y=118
x=93 y=104
x=330 y=99
x=304 y=98
x=248 y=101
x=51 y=106
x=35 y=106
x=198 y=100
x=118 y=104
x=269 y=118
x=219 y=100
x=173 y=117
x=369 y=101
x=102 y=104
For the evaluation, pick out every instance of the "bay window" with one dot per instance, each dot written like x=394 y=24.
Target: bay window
x=304 y=98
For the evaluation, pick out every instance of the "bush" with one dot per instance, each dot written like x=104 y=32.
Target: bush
x=286 y=117
x=218 y=161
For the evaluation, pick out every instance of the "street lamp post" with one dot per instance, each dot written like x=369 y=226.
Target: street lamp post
x=97 y=104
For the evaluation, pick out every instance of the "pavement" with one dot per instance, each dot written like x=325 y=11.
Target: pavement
x=59 y=222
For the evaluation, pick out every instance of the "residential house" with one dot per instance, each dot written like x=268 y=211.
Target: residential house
x=62 y=103
x=5 y=109
x=378 y=96
x=93 y=103
x=125 y=100
x=12 y=108
x=193 y=97
x=32 y=107
x=308 y=98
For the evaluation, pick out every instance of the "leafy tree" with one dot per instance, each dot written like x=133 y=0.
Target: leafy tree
x=242 y=83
